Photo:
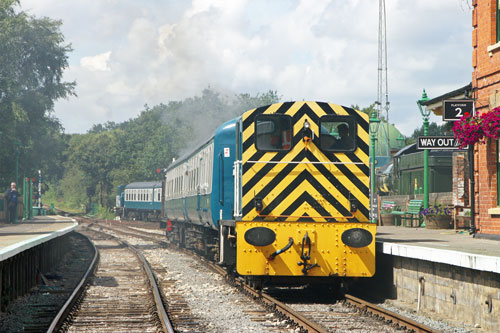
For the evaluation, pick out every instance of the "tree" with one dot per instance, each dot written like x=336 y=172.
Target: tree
x=434 y=129
x=33 y=57
x=368 y=110
x=111 y=154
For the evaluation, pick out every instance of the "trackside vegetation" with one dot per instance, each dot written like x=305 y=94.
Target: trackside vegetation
x=119 y=153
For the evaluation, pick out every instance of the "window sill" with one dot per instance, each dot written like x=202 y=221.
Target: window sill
x=492 y=48
x=494 y=211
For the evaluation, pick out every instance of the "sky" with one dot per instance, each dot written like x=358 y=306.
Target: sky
x=129 y=53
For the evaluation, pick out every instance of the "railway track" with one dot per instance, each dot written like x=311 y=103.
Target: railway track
x=122 y=295
x=179 y=285
x=310 y=317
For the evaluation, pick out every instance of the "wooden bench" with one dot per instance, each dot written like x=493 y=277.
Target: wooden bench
x=412 y=213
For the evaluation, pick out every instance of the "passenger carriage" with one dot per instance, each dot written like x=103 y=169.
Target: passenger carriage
x=140 y=200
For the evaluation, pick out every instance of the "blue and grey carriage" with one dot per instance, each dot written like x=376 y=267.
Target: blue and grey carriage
x=140 y=200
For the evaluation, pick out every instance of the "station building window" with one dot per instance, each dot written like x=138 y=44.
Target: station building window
x=273 y=132
x=338 y=133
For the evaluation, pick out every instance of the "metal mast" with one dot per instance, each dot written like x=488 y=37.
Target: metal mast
x=382 y=103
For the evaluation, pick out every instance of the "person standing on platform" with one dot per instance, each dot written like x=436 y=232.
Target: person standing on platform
x=12 y=196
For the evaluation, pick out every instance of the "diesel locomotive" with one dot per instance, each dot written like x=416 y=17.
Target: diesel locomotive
x=278 y=193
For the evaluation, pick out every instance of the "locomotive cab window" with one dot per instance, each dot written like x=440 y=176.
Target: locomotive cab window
x=338 y=133
x=273 y=132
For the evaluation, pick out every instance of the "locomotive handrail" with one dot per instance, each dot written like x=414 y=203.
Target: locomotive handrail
x=278 y=252
x=237 y=188
x=295 y=162
x=221 y=180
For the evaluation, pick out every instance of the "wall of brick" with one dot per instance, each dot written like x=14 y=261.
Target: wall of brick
x=486 y=87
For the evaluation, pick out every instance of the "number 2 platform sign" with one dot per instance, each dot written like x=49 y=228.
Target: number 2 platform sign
x=454 y=109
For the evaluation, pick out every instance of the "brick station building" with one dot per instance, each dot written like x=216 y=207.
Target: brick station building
x=486 y=93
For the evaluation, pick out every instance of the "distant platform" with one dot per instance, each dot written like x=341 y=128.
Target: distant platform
x=23 y=235
x=441 y=246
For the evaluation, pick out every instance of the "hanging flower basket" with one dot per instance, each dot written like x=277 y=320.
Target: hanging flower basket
x=468 y=130
x=490 y=122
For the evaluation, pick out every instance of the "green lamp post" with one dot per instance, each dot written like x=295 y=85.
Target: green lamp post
x=374 y=124
x=425 y=115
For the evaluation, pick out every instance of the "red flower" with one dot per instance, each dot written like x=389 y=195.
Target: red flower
x=470 y=130
x=491 y=123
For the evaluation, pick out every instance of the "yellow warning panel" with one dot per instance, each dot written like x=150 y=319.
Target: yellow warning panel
x=259 y=245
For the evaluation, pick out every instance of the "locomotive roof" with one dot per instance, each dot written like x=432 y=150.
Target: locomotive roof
x=140 y=185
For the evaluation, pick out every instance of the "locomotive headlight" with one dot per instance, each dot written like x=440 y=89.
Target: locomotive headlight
x=260 y=236
x=307 y=133
x=357 y=237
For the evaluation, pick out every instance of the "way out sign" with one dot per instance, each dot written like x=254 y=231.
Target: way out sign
x=437 y=142
x=454 y=109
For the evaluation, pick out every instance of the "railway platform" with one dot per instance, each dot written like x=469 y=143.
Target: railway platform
x=444 y=272
x=440 y=245
x=27 y=250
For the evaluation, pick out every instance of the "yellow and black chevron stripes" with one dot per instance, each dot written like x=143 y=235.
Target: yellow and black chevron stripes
x=300 y=184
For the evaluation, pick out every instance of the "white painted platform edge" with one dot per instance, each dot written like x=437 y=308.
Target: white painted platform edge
x=456 y=258
x=16 y=248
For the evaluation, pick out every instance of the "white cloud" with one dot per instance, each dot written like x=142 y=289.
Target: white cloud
x=157 y=51
x=96 y=63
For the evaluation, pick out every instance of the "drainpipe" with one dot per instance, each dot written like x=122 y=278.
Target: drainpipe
x=421 y=281
x=473 y=191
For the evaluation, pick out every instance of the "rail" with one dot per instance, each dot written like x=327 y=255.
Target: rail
x=388 y=315
x=162 y=313
x=73 y=298
x=70 y=303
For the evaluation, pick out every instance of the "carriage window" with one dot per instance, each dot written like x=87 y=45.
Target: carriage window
x=338 y=133
x=273 y=132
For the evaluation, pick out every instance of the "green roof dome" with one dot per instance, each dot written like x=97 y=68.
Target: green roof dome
x=395 y=142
